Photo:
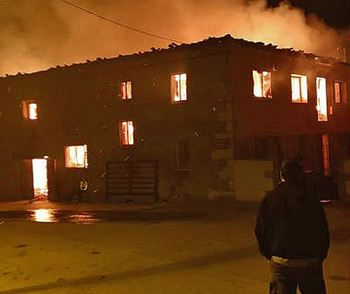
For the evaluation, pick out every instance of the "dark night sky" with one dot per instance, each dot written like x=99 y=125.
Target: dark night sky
x=336 y=13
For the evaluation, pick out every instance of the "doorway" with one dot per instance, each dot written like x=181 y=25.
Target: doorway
x=40 y=179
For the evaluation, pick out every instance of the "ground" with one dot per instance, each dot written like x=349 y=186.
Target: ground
x=166 y=248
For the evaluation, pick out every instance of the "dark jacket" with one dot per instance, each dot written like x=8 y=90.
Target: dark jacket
x=291 y=223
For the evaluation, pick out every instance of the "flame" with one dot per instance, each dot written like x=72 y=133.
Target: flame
x=321 y=99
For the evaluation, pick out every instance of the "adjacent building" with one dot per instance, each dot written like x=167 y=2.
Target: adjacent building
x=208 y=120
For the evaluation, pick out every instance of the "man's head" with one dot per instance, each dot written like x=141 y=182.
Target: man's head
x=291 y=170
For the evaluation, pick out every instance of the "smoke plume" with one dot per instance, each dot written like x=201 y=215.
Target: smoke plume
x=36 y=34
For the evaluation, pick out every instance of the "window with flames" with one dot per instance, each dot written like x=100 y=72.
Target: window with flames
x=76 y=156
x=299 y=88
x=125 y=90
x=321 y=99
x=178 y=87
x=262 y=84
x=126 y=133
x=30 y=110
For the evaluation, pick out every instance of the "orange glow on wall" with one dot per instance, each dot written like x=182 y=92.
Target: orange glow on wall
x=40 y=182
x=299 y=88
x=125 y=90
x=179 y=87
x=262 y=84
x=321 y=99
x=126 y=133
x=76 y=156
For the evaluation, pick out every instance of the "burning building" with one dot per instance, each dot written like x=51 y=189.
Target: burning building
x=209 y=120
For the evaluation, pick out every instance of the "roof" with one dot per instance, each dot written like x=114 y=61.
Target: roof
x=226 y=40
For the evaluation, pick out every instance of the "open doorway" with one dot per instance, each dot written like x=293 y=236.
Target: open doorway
x=40 y=179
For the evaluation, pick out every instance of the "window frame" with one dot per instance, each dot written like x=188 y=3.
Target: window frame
x=180 y=91
x=85 y=165
x=303 y=95
x=26 y=112
x=263 y=91
x=127 y=135
x=124 y=90
x=342 y=92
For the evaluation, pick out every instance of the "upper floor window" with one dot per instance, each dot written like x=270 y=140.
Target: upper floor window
x=76 y=156
x=339 y=92
x=126 y=133
x=321 y=99
x=262 y=84
x=125 y=90
x=30 y=110
x=178 y=87
x=299 y=88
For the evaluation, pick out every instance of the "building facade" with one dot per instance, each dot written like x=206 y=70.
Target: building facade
x=208 y=120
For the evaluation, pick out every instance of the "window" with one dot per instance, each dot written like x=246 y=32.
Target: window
x=76 y=156
x=262 y=84
x=339 y=92
x=299 y=88
x=321 y=99
x=30 y=110
x=183 y=155
x=125 y=90
x=126 y=133
x=178 y=87
x=325 y=153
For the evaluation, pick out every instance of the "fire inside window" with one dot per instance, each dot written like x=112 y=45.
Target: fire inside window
x=262 y=84
x=299 y=88
x=321 y=99
x=30 y=110
x=179 y=87
x=127 y=133
x=125 y=90
x=76 y=156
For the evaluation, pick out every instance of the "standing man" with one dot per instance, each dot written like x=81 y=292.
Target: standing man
x=292 y=233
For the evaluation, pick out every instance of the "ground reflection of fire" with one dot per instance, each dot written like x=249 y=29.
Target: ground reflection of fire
x=43 y=215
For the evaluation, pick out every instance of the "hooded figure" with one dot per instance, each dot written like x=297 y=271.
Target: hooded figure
x=292 y=233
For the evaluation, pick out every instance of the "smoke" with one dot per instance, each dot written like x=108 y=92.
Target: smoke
x=36 y=34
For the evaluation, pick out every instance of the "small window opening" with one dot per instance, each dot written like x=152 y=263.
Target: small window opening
x=76 y=156
x=183 y=156
x=325 y=153
x=30 y=110
x=125 y=90
x=126 y=133
x=262 y=84
x=299 y=88
x=179 y=87
x=321 y=99
x=340 y=92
